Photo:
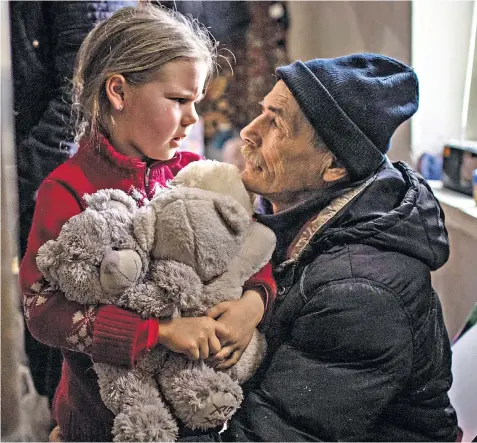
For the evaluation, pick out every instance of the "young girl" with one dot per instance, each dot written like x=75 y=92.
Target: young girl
x=138 y=77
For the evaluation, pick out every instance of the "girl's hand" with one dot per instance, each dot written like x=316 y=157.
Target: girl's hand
x=196 y=337
x=241 y=318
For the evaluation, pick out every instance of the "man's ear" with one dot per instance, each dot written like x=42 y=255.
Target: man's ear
x=333 y=174
x=116 y=86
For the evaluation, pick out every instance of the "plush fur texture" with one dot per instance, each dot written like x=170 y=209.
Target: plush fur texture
x=184 y=252
x=211 y=175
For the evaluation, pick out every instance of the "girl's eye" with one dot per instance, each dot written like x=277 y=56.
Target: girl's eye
x=179 y=100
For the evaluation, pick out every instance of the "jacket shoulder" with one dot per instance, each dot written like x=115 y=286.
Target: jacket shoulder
x=390 y=269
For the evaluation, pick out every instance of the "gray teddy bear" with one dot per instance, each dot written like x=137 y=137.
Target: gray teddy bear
x=191 y=247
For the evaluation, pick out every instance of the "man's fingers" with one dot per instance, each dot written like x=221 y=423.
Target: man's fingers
x=216 y=311
x=232 y=360
x=222 y=332
x=224 y=353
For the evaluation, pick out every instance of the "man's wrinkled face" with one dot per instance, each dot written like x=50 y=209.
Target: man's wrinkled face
x=280 y=151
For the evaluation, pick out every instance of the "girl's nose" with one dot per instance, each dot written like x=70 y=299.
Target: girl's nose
x=190 y=116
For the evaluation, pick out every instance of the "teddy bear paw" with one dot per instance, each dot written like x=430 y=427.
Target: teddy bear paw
x=215 y=410
x=219 y=408
x=144 y=423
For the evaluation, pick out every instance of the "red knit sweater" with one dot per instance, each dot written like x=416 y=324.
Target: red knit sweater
x=106 y=333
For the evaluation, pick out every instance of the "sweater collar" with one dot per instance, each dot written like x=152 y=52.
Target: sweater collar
x=287 y=224
x=105 y=149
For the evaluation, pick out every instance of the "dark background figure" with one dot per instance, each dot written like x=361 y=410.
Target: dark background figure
x=45 y=37
x=252 y=37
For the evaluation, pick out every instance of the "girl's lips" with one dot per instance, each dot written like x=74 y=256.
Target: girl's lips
x=176 y=141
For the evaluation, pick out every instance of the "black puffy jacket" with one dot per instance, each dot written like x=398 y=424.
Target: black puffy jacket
x=45 y=38
x=358 y=349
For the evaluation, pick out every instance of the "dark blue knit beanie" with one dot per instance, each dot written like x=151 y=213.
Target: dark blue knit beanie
x=355 y=103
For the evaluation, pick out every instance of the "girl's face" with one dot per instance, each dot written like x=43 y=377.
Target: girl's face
x=157 y=116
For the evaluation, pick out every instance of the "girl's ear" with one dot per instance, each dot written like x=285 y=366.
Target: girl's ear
x=115 y=88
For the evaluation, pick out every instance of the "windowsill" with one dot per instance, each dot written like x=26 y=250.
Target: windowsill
x=460 y=209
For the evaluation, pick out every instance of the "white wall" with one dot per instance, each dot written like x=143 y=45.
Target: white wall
x=456 y=281
x=335 y=28
x=440 y=44
x=441 y=32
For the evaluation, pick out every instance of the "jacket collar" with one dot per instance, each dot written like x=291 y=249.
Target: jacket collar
x=313 y=226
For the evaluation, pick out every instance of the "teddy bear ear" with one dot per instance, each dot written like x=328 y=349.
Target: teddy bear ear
x=233 y=213
x=48 y=260
x=144 y=226
x=110 y=199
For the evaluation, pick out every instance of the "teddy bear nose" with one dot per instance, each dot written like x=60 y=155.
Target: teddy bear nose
x=120 y=270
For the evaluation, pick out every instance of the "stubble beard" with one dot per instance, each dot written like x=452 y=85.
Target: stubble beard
x=250 y=155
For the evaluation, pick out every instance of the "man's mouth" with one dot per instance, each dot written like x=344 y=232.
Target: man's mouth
x=253 y=164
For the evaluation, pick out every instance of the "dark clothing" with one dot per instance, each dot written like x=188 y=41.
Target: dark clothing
x=226 y=20
x=358 y=349
x=45 y=37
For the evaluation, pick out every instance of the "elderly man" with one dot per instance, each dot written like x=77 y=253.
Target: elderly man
x=358 y=348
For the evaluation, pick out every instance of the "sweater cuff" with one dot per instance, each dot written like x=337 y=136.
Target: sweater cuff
x=147 y=339
x=264 y=282
x=119 y=335
x=262 y=290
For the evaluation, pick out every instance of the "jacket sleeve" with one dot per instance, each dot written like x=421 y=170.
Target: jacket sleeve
x=349 y=352
x=49 y=142
x=107 y=333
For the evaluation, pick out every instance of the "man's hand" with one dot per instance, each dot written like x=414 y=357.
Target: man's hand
x=196 y=337
x=241 y=318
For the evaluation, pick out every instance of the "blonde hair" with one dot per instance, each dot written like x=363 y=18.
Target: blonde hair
x=135 y=42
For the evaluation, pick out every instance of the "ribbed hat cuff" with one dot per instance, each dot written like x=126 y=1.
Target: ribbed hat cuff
x=340 y=134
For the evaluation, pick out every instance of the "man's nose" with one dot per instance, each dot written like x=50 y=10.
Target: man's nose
x=250 y=133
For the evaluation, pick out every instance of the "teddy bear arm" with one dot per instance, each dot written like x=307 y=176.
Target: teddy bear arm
x=148 y=300
x=178 y=283
x=225 y=288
